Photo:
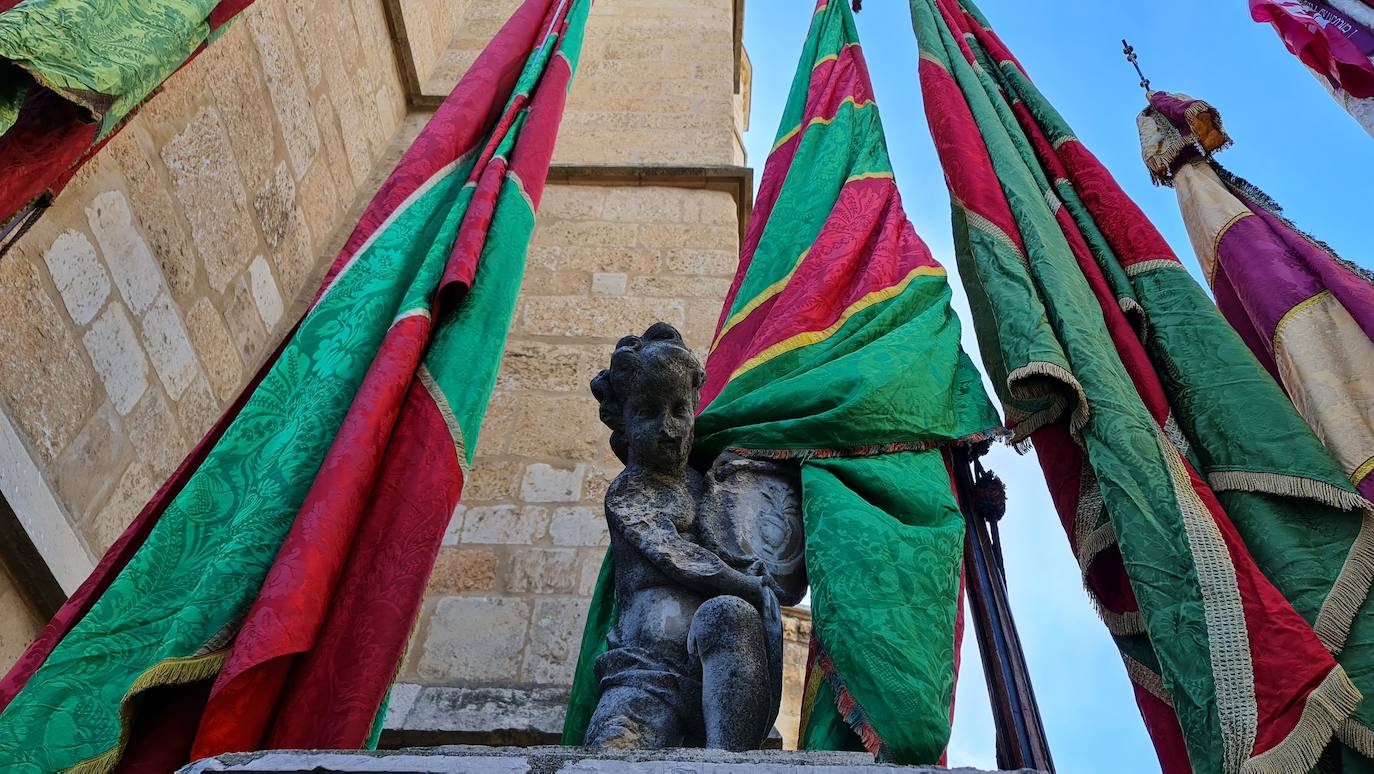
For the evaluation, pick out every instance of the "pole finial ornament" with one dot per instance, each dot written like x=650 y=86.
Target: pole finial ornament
x=1129 y=51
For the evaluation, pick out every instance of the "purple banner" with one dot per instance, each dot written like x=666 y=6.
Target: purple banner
x=1330 y=18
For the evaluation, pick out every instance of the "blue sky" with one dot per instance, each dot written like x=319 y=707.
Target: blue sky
x=1291 y=140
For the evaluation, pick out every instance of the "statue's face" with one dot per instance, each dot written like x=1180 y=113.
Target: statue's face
x=661 y=414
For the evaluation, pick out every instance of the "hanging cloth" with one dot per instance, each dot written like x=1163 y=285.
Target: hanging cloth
x=317 y=510
x=1306 y=314
x=837 y=347
x=1334 y=39
x=1227 y=552
x=72 y=71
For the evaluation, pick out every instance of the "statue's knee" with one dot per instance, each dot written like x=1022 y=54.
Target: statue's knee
x=724 y=621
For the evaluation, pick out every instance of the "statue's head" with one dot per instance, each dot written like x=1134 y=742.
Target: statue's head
x=649 y=399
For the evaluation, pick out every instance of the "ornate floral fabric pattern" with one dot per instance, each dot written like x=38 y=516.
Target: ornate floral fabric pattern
x=75 y=69
x=1225 y=548
x=1306 y=314
x=287 y=565
x=837 y=347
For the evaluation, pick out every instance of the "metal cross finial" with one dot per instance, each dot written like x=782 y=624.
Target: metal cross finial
x=1129 y=51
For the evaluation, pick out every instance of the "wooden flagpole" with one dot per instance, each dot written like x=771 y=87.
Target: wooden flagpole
x=1021 y=741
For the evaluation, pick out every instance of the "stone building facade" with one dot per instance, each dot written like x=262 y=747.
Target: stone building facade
x=145 y=299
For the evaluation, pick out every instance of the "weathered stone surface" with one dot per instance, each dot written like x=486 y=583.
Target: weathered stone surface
x=169 y=346
x=608 y=284
x=475 y=638
x=689 y=260
x=22 y=624
x=130 y=495
x=449 y=713
x=493 y=480
x=100 y=446
x=136 y=273
x=245 y=322
x=284 y=228
x=286 y=85
x=154 y=210
x=264 y=288
x=198 y=409
x=201 y=164
x=578 y=526
x=504 y=524
x=215 y=346
x=544 y=571
x=318 y=200
x=78 y=275
x=591 y=570
x=554 y=316
x=309 y=37
x=242 y=98
x=45 y=382
x=555 y=640
x=538 y=365
x=547 y=760
x=345 y=103
x=464 y=570
x=549 y=484
x=156 y=435
x=118 y=357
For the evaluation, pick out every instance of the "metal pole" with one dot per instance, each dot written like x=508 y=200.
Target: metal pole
x=1021 y=741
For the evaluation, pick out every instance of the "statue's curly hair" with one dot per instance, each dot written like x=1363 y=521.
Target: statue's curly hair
x=611 y=385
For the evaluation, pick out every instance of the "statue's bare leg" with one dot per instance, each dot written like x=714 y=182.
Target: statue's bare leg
x=727 y=635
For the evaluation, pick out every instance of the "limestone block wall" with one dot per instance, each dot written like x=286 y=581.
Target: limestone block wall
x=140 y=304
x=655 y=84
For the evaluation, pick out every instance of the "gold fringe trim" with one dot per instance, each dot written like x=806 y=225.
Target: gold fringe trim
x=1148 y=679
x=1037 y=389
x=1100 y=540
x=1327 y=709
x=1154 y=264
x=176 y=671
x=1128 y=624
x=1350 y=590
x=1287 y=486
x=446 y=411
x=1357 y=737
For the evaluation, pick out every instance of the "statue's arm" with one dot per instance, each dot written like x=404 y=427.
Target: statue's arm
x=652 y=533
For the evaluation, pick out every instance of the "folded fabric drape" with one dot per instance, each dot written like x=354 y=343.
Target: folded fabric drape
x=1334 y=39
x=1305 y=313
x=267 y=593
x=71 y=72
x=1228 y=553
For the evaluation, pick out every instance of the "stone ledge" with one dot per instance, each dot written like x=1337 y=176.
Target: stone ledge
x=548 y=760
x=444 y=715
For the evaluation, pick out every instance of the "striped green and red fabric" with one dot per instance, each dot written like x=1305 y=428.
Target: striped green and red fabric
x=1228 y=553
x=72 y=72
x=266 y=595
x=837 y=347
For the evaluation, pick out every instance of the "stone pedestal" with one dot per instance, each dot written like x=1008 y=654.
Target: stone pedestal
x=547 y=760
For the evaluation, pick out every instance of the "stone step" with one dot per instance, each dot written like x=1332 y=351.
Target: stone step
x=465 y=759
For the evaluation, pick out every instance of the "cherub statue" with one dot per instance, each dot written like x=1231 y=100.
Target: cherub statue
x=701 y=565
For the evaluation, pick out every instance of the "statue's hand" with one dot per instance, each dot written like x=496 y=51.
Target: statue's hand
x=758 y=570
